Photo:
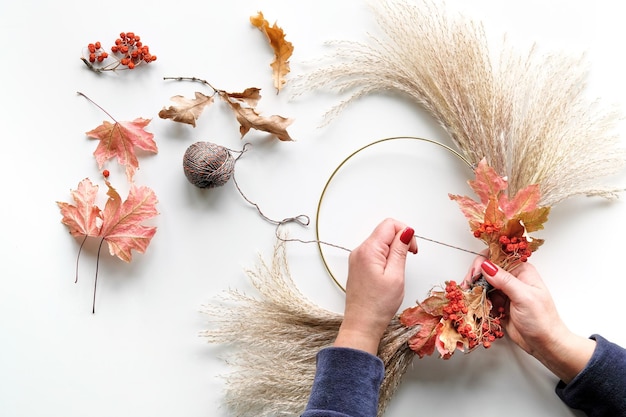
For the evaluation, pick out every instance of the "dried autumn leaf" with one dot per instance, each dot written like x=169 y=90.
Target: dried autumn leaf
x=282 y=49
x=487 y=182
x=119 y=224
x=243 y=106
x=119 y=140
x=423 y=342
x=249 y=118
x=503 y=223
x=250 y=96
x=186 y=110
x=83 y=218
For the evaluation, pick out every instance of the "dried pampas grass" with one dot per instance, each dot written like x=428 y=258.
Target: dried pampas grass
x=527 y=114
x=273 y=339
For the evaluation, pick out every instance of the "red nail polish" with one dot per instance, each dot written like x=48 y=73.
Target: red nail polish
x=489 y=268
x=407 y=235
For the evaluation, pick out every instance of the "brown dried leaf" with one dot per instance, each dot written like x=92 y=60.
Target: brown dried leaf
x=249 y=118
x=250 y=96
x=282 y=49
x=186 y=110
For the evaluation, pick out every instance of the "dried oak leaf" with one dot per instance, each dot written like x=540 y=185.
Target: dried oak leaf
x=119 y=140
x=119 y=223
x=282 y=49
x=186 y=110
x=249 y=118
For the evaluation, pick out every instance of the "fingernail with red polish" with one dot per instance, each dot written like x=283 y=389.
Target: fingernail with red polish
x=407 y=235
x=489 y=268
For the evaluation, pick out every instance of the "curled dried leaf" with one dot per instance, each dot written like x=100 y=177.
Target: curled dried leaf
x=282 y=49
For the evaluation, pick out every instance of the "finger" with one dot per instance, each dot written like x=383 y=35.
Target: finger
x=396 y=261
x=388 y=230
x=475 y=270
x=503 y=280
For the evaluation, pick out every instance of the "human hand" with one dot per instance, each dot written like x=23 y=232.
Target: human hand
x=375 y=285
x=533 y=322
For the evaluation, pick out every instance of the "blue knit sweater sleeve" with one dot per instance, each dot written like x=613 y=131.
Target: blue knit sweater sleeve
x=600 y=388
x=346 y=384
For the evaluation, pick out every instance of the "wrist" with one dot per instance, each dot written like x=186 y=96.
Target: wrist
x=565 y=354
x=364 y=338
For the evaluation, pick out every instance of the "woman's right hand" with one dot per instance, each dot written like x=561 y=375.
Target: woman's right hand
x=533 y=322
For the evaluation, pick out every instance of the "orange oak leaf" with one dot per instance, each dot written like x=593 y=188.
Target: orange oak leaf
x=119 y=140
x=282 y=49
x=119 y=223
x=186 y=110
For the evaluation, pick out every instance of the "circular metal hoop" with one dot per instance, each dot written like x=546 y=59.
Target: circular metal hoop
x=319 y=242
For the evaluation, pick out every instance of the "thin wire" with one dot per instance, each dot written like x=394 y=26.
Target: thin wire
x=336 y=170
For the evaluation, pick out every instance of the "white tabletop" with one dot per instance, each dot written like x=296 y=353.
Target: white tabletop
x=140 y=353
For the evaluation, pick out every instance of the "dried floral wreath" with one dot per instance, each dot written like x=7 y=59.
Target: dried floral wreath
x=523 y=122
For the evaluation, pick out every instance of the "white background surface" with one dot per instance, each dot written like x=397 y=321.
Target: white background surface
x=140 y=354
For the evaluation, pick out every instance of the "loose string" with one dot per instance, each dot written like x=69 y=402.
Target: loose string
x=305 y=220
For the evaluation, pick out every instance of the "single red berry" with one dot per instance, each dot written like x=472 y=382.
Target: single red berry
x=106 y=173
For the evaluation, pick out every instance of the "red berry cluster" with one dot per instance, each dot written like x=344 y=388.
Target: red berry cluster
x=517 y=246
x=486 y=227
x=129 y=51
x=484 y=331
x=96 y=53
x=132 y=49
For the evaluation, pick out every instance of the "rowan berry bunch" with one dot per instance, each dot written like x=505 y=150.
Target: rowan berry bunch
x=513 y=245
x=476 y=329
x=128 y=52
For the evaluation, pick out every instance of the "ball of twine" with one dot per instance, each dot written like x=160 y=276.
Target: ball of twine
x=208 y=165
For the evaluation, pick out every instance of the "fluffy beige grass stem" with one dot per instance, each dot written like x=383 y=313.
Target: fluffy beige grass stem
x=526 y=112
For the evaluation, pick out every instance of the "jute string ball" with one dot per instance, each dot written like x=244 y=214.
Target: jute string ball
x=208 y=165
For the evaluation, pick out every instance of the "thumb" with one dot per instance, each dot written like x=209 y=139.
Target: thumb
x=402 y=243
x=502 y=280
